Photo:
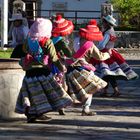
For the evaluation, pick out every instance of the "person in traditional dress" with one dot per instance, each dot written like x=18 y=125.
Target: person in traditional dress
x=115 y=68
x=62 y=28
x=40 y=92
x=81 y=80
x=19 y=33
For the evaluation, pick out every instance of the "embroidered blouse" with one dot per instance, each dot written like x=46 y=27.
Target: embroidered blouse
x=61 y=46
x=49 y=50
x=92 y=52
x=108 y=41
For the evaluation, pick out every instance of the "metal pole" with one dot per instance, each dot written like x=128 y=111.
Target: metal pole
x=4 y=22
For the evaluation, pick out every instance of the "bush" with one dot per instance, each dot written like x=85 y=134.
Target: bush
x=5 y=53
x=126 y=28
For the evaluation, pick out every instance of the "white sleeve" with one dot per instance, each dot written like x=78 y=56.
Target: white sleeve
x=102 y=44
x=13 y=43
x=26 y=30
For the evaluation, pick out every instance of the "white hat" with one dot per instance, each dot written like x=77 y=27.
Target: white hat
x=17 y=16
x=110 y=20
x=41 y=28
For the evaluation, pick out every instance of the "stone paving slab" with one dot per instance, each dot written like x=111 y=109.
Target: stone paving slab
x=116 y=119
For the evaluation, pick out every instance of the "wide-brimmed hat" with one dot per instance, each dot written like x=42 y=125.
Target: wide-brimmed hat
x=62 y=27
x=41 y=28
x=91 y=32
x=17 y=16
x=110 y=20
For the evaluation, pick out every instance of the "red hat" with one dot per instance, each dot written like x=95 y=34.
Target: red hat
x=62 y=27
x=92 y=22
x=91 y=32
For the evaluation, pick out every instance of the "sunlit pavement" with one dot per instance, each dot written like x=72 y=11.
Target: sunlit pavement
x=117 y=119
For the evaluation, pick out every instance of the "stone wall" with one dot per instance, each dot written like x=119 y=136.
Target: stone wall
x=128 y=39
x=11 y=76
x=128 y=43
x=130 y=53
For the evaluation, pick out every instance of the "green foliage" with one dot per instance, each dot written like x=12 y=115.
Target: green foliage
x=129 y=12
x=5 y=53
x=78 y=26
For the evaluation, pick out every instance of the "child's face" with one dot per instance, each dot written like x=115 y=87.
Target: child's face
x=17 y=23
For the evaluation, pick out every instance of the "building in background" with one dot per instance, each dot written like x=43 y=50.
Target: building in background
x=77 y=10
x=81 y=9
x=31 y=7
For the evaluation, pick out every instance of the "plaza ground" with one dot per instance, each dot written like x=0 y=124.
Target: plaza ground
x=116 y=119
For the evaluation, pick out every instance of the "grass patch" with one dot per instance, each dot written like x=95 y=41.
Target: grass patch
x=6 y=53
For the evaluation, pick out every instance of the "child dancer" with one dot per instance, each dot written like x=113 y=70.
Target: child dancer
x=40 y=93
x=82 y=83
x=115 y=68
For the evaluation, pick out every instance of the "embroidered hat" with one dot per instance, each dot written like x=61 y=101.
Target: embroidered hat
x=91 y=32
x=110 y=20
x=41 y=28
x=17 y=16
x=62 y=27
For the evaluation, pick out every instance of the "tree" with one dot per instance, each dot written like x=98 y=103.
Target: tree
x=129 y=12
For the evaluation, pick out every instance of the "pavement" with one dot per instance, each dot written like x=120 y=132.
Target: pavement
x=116 y=119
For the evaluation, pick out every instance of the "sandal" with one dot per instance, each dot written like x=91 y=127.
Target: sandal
x=84 y=113
x=43 y=117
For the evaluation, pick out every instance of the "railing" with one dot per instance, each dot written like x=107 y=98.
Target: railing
x=49 y=13
x=77 y=16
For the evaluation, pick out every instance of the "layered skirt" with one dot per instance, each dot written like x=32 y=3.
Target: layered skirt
x=82 y=82
x=41 y=93
x=115 y=66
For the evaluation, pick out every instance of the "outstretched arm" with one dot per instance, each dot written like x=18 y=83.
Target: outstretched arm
x=96 y=53
x=53 y=56
x=104 y=42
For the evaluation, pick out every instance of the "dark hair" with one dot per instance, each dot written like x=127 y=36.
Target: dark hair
x=21 y=22
x=105 y=21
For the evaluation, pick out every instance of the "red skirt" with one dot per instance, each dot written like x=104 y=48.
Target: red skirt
x=115 y=66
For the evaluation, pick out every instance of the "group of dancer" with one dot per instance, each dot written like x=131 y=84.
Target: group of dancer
x=57 y=76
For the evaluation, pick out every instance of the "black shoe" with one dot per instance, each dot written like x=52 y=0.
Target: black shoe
x=31 y=119
x=61 y=112
x=27 y=111
x=104 y=95
x=116 y=94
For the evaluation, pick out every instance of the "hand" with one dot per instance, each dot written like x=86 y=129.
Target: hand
x=110 y=52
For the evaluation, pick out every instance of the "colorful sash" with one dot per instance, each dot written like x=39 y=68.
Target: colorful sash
x=35 y=54
x=82 y=50
x=56 y=39
x=80 y=54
